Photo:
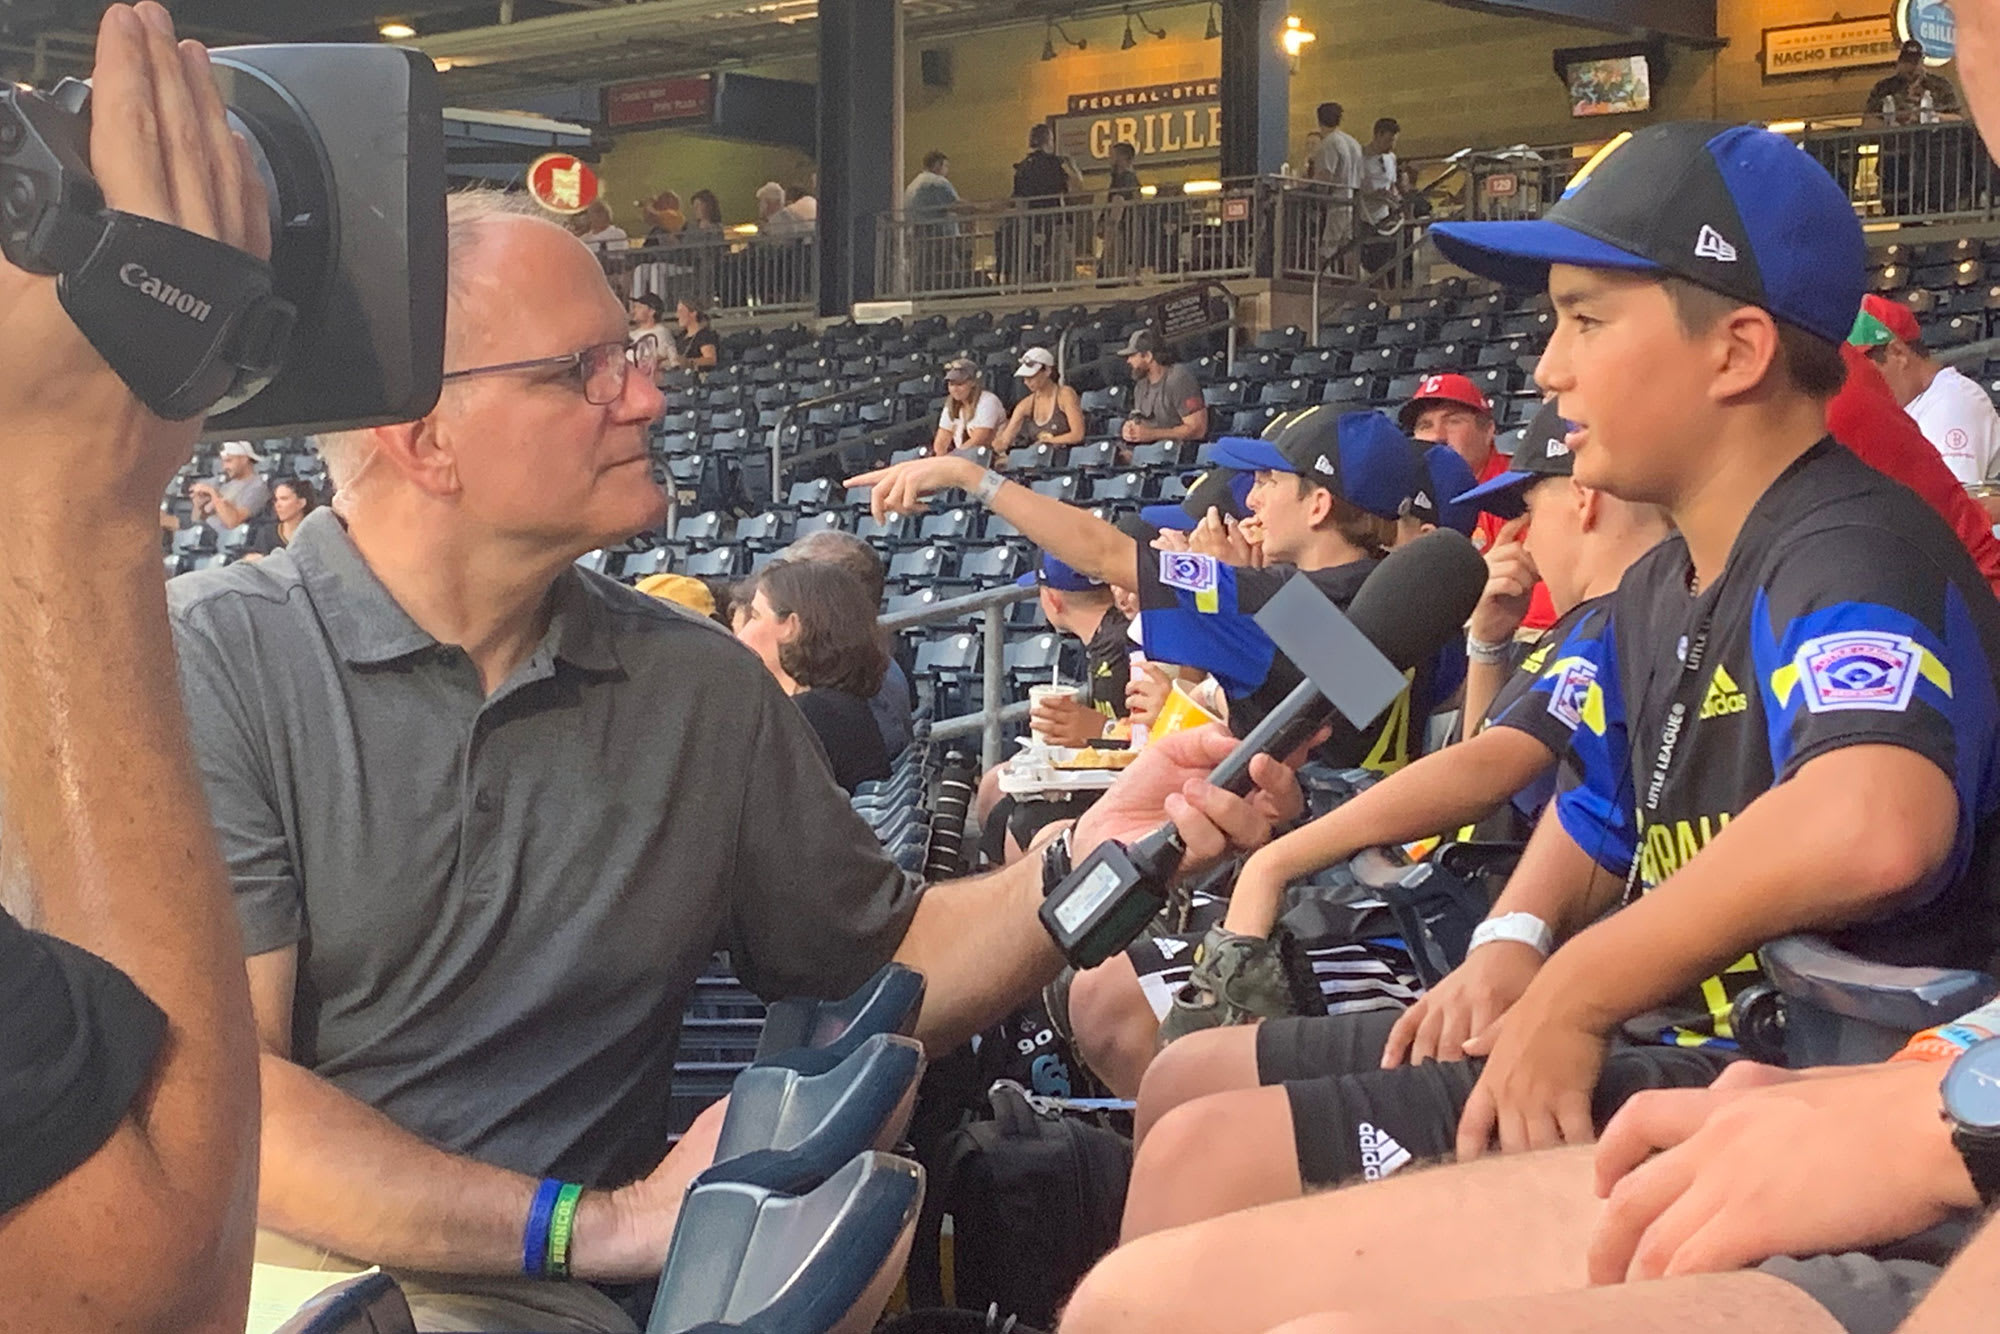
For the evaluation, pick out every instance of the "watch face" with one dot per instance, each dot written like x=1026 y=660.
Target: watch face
x=1972 y=1088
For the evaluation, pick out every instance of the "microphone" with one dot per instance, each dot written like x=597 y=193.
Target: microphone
x=1408 y=609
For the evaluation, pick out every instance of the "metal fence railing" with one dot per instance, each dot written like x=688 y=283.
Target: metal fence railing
x=727 y=275
x=991 y=607
x=1917 y=173
x=1040 y=245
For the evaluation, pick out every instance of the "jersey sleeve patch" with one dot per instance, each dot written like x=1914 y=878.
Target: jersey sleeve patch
x=1859 y=669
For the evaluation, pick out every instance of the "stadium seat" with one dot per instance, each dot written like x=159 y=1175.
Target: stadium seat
x=1068 y=488
x=1823 y=1006
x=717 y=564
x=888 y=1002
x=791 y=1129
x=1096 y=455
x=640 y=564
x=370 y=1303
x=747 y=1258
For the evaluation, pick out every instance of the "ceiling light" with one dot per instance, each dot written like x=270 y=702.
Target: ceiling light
x=398 y=31
x=1129 y=40
x=1201 y=187
x=1051 y=31
x=1214 y=28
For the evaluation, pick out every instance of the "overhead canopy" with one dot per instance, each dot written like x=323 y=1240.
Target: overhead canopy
x=1682 y=20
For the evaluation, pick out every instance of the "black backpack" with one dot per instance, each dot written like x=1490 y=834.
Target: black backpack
x=1035 y=1197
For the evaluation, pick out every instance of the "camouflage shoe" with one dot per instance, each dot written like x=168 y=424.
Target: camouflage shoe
x=1234 y=980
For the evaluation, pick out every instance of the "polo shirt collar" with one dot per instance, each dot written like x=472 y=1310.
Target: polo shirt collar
x=369 y=627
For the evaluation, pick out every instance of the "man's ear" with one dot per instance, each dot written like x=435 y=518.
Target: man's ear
x=1319 y=505
x=417 y=452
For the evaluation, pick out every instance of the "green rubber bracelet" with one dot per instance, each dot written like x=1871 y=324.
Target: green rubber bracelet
x=562 y=1226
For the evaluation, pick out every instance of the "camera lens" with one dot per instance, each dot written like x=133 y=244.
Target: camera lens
x=10 y=130
x=20 y=199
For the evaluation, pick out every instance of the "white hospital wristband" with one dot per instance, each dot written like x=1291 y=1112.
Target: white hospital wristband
x=1522 y=927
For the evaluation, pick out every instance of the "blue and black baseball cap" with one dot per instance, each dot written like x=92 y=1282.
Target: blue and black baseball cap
x=1223 y=489
x=1438 y=500
x=1733 y=208
x=1052 y=573
x=1543 y=453
x=1359 y=456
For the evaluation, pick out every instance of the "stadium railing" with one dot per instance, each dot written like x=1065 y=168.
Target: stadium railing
x=990 y=605
x=727 y=275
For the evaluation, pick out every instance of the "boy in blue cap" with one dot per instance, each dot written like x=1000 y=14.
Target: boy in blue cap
x=1804 y=676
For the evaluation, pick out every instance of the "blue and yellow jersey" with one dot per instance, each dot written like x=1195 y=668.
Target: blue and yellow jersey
x=1557 y=696
x=1848 y=615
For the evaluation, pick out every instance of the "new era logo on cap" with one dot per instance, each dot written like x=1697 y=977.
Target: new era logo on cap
x=1321 y=464
x=1710 y=245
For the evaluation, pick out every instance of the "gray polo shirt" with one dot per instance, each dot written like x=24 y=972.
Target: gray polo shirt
x=501 y=903
x=250 y=495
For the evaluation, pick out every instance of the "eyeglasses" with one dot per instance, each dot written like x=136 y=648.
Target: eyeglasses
x=600 y=369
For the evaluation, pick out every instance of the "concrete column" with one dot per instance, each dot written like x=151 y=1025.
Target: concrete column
x=1256 y=88
x=860 y=141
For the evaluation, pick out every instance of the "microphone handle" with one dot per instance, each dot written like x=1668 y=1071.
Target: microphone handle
x=1280 y=732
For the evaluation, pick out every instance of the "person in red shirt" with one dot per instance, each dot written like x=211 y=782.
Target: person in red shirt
x=1449 y=409
x=1864 y=416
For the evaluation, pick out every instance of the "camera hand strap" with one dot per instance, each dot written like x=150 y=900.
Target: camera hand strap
x=185 y=321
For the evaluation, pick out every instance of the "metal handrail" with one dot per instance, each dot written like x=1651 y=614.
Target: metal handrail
x=992 y=716
x=778 y=469
x=1209 y=288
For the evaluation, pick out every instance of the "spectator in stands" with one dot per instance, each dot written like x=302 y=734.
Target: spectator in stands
x=648 y=310
x=599 y=232
x=1953 y=411
x=891 y=704
x=1117 y=227
x=1688 y=388
x=972 y=414
x=664 y=219
x=1043 y=175
x=488 y=816
x=813 y=625
x=1049 y=413
x=770 y=210
x=698 y=347
x=801 y=210
x=1338 y=164
x=1166 y=400
x=235 y=498
x=128 y=1090
x=1379 y=203
x=705 y=218
x=292 y=498
x=930 y=195
x=1899 y=98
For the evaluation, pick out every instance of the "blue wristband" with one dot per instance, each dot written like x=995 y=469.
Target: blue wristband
x=535 y=1241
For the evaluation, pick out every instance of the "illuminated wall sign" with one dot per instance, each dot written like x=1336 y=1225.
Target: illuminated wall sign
x=658 y=101
x=1929 y=22
x=1167 y=123
x=1822 y=48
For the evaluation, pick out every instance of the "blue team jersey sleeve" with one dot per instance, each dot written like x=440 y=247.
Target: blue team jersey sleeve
x=1580 y=689
x=1860 y=639
x=1197 y=612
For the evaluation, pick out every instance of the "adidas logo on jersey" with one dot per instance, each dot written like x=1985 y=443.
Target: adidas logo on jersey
x=1380 y=1154
x=1723 y=697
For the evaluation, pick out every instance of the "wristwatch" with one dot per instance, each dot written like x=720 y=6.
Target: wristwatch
x=1056 y=858
x=1972 y=1105
x=1521 y=927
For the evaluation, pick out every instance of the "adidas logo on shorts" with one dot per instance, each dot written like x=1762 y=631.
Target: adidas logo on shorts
x=1380 y=1154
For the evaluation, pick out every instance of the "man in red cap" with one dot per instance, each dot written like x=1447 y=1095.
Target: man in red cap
x=1449 y=409
x=1953 y=412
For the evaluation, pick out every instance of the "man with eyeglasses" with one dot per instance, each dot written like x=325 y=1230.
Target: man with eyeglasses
x=487 y=816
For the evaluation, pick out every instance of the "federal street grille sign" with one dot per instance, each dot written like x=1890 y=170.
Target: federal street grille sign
x=1167 y=122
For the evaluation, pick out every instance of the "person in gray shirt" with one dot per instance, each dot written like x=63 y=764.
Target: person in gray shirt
x=487 y=816
x=235 y=498
x=1166 y=400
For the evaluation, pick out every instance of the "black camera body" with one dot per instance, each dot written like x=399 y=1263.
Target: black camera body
x=344 y=327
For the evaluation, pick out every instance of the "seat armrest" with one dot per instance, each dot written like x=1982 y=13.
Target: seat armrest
x=886 y=1003
x=1471 y=859
x=1810 y=970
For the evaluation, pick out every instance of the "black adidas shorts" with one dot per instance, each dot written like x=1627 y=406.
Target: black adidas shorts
x=1354 y=1121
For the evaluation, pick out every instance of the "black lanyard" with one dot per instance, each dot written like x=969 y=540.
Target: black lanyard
x=1681 y=712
